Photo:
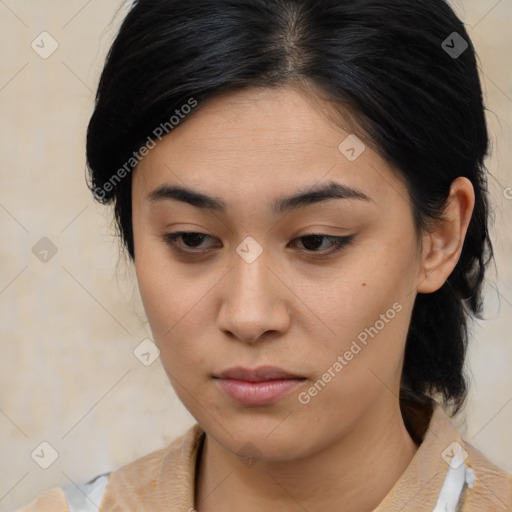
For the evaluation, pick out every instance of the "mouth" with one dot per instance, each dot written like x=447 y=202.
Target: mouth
x=261 y=386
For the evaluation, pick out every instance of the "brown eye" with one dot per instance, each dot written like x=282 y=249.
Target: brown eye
x=312 y=242
x=191 y=240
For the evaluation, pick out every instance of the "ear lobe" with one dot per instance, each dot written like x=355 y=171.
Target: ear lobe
x=442 y=245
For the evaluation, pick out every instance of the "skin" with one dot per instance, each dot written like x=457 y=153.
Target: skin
x=291 y=307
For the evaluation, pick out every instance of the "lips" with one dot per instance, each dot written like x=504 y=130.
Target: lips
x=260 y=374
x=258 y=387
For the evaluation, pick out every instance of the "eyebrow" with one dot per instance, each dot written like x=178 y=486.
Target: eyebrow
x=301 y=199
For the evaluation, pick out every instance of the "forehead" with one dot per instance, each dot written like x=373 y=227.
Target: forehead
x=261 y=143
x=284 y=122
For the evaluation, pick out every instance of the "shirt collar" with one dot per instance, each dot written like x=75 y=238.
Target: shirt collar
x=170 y=473
x=420 y=484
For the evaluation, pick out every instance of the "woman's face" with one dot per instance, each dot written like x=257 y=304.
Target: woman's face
x=254 y=292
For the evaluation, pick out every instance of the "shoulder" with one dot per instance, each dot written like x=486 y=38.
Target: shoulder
x=171 y=470
x=70 y=498
x=492 y=485
x=468 y=474
x=51 y=500
x=148 y=469
x=88 y=497
x=128 y=483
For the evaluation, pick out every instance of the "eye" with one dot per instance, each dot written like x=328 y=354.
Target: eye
x=314 y=240
x=192 y=241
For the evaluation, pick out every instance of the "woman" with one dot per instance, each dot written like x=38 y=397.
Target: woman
x=300 y=186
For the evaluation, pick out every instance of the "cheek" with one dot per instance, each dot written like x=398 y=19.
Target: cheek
x=362 y=360
x=367 y=310
x=165 y=290
x=176 y=305
x=364 y=286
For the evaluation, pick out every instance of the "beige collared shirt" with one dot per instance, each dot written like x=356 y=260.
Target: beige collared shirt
x=446 y=474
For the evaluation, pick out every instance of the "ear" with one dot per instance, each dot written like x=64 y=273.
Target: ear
x=442 y=245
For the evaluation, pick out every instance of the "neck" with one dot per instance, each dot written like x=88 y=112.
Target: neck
x=358 y=470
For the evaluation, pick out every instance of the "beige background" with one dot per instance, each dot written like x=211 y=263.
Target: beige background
x=68 y=327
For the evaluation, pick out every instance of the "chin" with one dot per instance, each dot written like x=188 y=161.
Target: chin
x=261 y=437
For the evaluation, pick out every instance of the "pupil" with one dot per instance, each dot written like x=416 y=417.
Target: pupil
x=187 y=236
x=315 y=238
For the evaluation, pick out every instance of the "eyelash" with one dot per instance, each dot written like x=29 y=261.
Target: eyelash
x=339 y=242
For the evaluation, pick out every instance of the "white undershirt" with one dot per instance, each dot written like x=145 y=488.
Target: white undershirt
x=89 y=498
x=458 y=475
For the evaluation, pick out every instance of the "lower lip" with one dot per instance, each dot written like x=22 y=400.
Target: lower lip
x=258 y=393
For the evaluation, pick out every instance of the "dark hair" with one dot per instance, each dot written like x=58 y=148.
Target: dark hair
x=411 y=83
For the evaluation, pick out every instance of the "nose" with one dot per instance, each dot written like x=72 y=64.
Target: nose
x=254 y=301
